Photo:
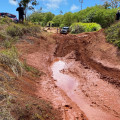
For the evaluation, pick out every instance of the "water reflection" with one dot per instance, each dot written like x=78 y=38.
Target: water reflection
x=66 y=82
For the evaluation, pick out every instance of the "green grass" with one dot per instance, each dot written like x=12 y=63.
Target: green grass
x=33 y=70
x=113 y=34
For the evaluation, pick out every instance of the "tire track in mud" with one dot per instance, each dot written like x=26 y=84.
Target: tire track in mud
x=82 y=45
x=69 y=43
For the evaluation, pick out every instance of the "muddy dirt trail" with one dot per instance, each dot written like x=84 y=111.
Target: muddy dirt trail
x=82 y=75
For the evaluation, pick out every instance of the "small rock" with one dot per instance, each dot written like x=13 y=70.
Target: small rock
x=55 y=86
x=77 y=118
x=12 y=101
x=5 y=119
x=2 y=97
x=1 y=78
x=67 y=106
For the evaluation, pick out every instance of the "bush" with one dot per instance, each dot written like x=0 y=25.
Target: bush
x=9 y=58
x=2 y=35
x=113 y=34
x=8 y=43
x=62 y=25
x=84 y=27
x=21 y=29
x=5 y=20
x=97 y=14
x=105 y=17
x=14 y=30
x=77 y=29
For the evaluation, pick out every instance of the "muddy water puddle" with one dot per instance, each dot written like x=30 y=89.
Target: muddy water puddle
x=69 y=85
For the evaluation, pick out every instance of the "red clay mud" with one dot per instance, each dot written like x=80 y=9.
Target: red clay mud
x=93 y=68
x=69 y=85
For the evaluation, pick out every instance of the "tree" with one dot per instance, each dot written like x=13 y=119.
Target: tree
x=67 y=19
x=48 y=17
x=61 y=12
x=106 y=5
x=57 y=20
x=113 y=3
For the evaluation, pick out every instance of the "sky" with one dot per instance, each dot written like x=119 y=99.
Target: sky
x=54 y=6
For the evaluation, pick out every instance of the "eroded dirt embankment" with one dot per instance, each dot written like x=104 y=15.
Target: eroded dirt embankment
x=95 y=65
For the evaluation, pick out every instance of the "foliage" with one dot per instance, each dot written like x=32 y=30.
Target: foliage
x=14 y=30
x=84 y=27
x=32 y=69
x=21 y=29
x=67 y=21
x=57 y=20
x=5 y=20
x=97 y=14
x=48 y=17
x=112 y=3
x=113 y=34
x=36 y=17
x=104 y=17
x=42 y=18
x=62 y=25
x=107 y=5
x=9 y=59
x=8 y=43
x=26 y=2
x=2 y=35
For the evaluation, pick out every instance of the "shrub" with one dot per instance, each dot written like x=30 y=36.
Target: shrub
x=32 y=29
x=21 y=29
x=9 y=58
x=62 y=25
x=113 y=34
x=14 y=30
x=2 y=35
x=104 y=17
x=8 y=43
x=77 y=29
x=84 y=27
x=5 y=20
x=97 y=14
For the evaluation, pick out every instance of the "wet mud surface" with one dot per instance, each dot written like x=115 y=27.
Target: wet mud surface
x=82 y=75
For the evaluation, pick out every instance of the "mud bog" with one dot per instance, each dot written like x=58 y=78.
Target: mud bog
x=80 y=78
x=69 y=85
